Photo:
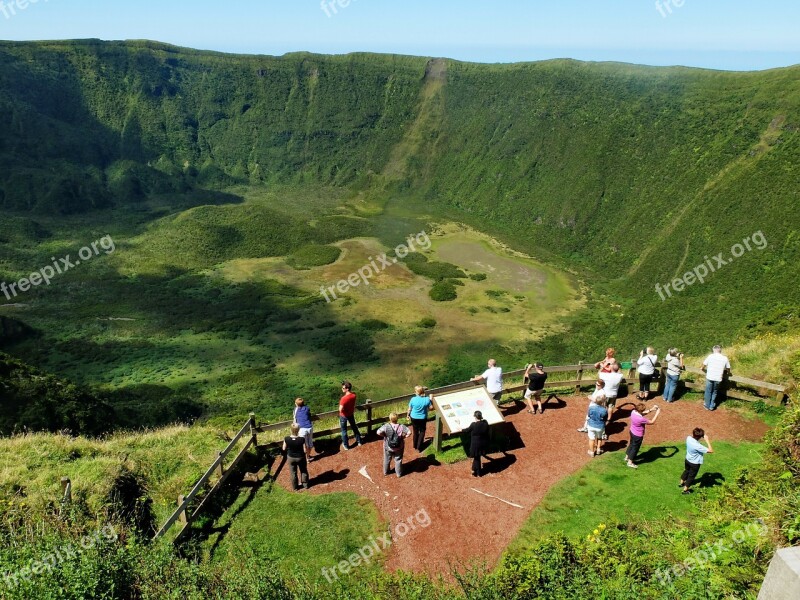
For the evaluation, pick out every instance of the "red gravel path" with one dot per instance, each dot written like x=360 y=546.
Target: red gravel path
x=476 y=529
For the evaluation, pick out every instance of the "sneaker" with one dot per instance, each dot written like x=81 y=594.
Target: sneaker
x=345 y=447
x=599 y=452
x=686 y=492
x=533 y=412
x=605 y=436
x=633 y=466
x=590 y=453
x=360 y=443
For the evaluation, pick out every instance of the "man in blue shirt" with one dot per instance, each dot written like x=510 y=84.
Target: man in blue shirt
x=418 y=409
x=596 y=425
x=695 y=453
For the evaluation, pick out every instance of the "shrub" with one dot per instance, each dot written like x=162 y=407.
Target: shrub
x=443 y=291
x=427 y=323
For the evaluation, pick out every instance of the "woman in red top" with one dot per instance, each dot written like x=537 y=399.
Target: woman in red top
x=604 y=366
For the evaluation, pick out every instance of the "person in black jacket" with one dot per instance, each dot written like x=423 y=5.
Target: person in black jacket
x=479 y=441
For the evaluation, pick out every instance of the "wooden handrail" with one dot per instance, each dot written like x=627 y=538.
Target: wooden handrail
x=184 y=502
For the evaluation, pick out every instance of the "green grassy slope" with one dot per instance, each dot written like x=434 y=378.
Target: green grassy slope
x=632 y=175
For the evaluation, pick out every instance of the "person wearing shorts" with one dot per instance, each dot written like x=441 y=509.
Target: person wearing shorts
x=599 y=392
x=535 y=387
x=612 y=380
x=493 y=376
x=596 y=425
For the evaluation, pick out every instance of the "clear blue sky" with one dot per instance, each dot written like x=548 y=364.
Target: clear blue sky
x=722 y=34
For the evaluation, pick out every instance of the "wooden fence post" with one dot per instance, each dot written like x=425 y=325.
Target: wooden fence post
x=182 y=517
x=253 y=430
x=437 y=434
x=579 y=378
x=221 y=467
x=368 y=402
x=66 y=490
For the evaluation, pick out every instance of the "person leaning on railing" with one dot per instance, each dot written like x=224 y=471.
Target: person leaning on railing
x=605 y=365
x=302 y=416
x=674 y=364
x=647 y=372
x=418 y=408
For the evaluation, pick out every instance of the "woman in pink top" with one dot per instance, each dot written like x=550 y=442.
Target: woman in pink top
x=638 y=423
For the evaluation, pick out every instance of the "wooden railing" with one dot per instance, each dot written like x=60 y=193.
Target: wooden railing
x=182 y=514
x=185 y=517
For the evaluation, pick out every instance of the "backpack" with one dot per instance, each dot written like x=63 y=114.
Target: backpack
x=393 y=439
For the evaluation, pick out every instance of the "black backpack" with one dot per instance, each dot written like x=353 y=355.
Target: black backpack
x=393 y=439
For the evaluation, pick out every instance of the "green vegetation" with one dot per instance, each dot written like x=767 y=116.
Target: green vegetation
x=605 y=492
x=443 y=291
x=280 y=528
x=226 y=180
x=438 y=271
x=313 y=256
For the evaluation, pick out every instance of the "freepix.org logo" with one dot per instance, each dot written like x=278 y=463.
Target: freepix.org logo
x=59 y=267
x=757 y=241
x=10 y=8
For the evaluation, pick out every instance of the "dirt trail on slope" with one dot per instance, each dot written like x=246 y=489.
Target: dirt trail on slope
x=467 y=527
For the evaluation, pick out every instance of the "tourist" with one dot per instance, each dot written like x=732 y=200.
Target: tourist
x=478 y=443
x=599 y=392
x=716 y=367
x=604 y=366
x=596 y=425
x=695 y=452
x=674 y=362
x=347 y=409
x=418 y=408
x=535 y=387
x=493 y=376
x=294 y=446
x=302 y=416
x=638 y=424
x=647 y=372
x=394 y=436
x=612 y=380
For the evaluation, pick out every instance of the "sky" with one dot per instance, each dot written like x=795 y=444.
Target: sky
x=716 y=34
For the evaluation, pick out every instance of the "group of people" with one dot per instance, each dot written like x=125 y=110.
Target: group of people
x=299 y=445
x=602 y=402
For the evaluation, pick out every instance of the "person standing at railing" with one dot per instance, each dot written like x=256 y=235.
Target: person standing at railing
x=347 y=410
x=647 y=372
x=674 y=363
x=302 y=416
x=294 y=446
x=493 y=376
x=536 y=383
x=612 y=381
x=605 y=365
x=716 y=366
x=418 y=408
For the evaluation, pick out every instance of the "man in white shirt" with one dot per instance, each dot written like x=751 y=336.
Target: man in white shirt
x=493 y=376
x=611 y=388
x=716 y=366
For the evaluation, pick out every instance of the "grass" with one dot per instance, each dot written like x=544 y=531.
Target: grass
x=297 y=532
x=607 y=490
x=168 y=461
